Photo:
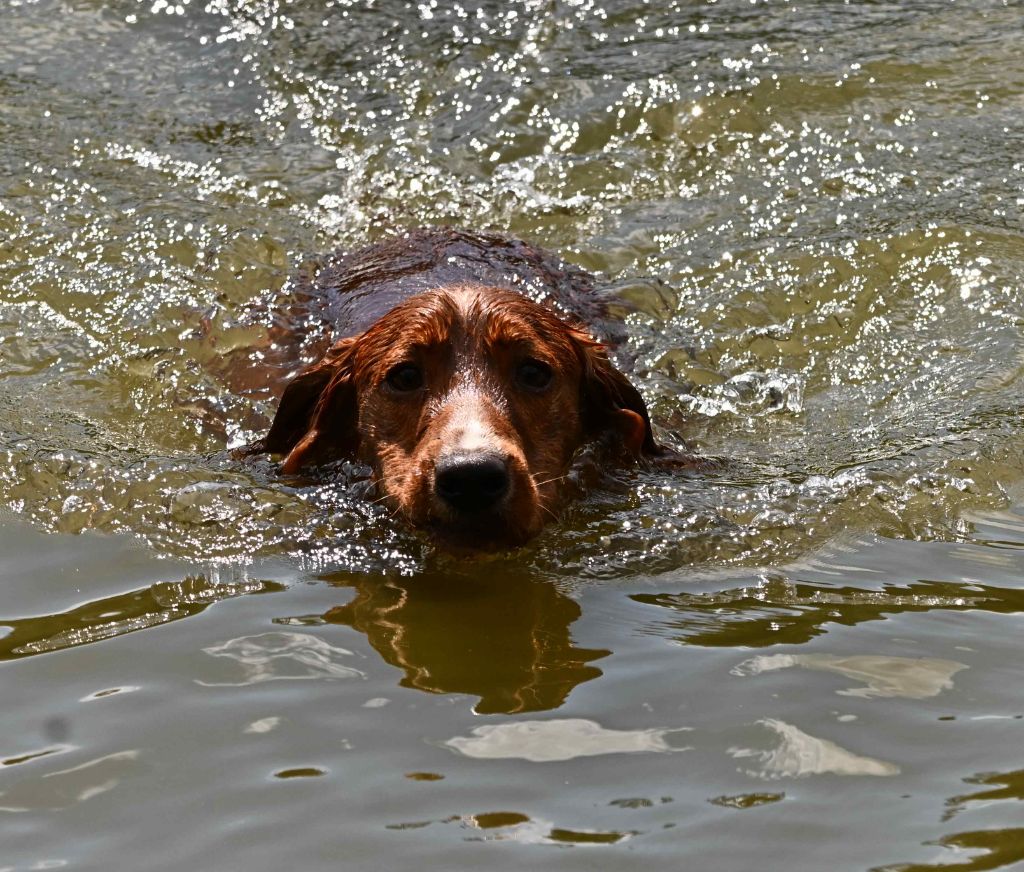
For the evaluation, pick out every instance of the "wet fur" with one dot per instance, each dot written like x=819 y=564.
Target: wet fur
x=467 y=339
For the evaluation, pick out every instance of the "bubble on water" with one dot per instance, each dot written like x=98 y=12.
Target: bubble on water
x=558 y=739
x=883 y=676
x=280 y=656
x=798 y=755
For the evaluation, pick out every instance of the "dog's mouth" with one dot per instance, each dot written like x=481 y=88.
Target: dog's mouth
x=484 y=518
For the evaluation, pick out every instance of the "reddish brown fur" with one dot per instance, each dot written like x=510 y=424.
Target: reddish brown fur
x=469 y=342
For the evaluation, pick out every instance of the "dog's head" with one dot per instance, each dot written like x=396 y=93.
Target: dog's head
x=469 y=402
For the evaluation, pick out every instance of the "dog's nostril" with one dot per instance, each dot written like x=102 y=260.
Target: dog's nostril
x=471 y=482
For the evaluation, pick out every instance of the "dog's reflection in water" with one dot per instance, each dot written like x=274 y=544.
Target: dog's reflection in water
x=504 y=640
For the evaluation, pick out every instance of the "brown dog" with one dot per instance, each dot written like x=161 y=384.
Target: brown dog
x=463 y=386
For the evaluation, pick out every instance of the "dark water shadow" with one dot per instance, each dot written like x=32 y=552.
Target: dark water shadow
x=1001 y=848
x=995 y=848
x=497 y=635
x=1001 y=786
x=784 y=612
x=118 y=615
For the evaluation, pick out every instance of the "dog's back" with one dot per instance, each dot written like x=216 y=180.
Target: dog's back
x=352 y=291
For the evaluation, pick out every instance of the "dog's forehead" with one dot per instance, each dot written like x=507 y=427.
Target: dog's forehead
x=475 y=316
x=500 y=317
x=477 y=305
x=466 y=328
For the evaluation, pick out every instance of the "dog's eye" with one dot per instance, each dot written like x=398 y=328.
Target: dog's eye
x=533 y=374
x=404 y=378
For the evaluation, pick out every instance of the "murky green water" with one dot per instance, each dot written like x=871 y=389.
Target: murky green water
x=807 y=658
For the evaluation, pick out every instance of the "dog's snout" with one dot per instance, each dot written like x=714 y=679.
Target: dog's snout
x=472 y=482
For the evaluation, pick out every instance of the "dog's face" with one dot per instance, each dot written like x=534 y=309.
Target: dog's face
x=469 y=403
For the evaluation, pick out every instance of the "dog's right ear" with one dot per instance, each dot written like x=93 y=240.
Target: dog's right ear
x=610 y=404
x=316 y=419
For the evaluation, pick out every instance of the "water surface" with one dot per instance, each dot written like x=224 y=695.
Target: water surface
x=807 y=653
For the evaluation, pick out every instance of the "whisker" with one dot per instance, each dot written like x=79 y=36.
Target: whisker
x=550 y=480
x=546 y=509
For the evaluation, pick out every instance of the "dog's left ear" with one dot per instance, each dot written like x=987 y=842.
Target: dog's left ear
x=316 y=418
x=611 y=405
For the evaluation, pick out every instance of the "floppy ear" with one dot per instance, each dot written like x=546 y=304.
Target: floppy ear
x=611 y=405
x=316 y=418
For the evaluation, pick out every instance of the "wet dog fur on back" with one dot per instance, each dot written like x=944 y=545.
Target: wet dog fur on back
x=467 y=398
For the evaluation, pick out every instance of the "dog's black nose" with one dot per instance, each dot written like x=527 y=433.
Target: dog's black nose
x=471 y=482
